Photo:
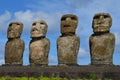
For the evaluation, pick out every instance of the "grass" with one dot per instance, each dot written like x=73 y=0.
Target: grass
x=32 y=78
x=45 y=78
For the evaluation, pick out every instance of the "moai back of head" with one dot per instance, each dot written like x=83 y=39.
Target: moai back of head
x=39 y=45
x=68 y=43
x=14 y=47
x=102 y=42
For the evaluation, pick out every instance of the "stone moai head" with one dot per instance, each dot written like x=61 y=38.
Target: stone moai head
x=14 y=30
x=101 y=22
x=39 y=29
x=69 y=23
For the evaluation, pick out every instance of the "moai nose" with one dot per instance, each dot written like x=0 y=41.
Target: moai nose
x=68 y=19
x=13 y=24
x=34 y=29
x=101 y=19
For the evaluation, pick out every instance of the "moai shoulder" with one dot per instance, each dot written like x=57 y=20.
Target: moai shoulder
x=102 y=42
x=14 y=47
x=39 y=45
x=68 y=43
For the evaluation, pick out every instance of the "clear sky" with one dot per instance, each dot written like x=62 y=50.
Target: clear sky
x=27 y=11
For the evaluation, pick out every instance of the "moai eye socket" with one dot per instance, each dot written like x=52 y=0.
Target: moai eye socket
x=106 y=16
x=63 y=18
x=96 y=17
x=73 y=18
x=34 y=24
x=42 y=23
x=10 y=24
x=17 y=24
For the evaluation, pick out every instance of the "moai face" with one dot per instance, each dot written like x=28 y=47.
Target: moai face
x=14 y=30
x=101 y=22
x=69 y=23
x=39 y=29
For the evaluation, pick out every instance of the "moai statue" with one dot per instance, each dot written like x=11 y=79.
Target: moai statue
x=68 y=43
x=14 y=47
x=102 y=42
x=39 y=45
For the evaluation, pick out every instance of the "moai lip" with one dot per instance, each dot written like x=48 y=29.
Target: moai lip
x=102 y=42
x=14 y=47
x=68 y=43
x=39 y=45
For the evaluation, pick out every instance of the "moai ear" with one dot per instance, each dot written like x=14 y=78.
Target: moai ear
x=20 y=25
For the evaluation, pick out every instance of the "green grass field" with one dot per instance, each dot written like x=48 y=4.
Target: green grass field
x=44 y=78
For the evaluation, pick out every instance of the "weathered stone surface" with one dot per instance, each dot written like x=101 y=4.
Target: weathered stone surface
x=101 y=22
x=68 y=47
x=14 y=30
x=102 y=42
x=39 y=29
x=70 y=72
x=39 y=45
x=69 y=23
x=14 y=47
x=68 y=43
x=39 y=50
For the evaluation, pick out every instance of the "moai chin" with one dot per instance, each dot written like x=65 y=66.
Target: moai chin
x=39 y=45
x=14 y=47
x=68 y=43
x=102 y=42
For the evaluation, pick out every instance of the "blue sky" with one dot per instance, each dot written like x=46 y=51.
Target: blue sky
x=27 y=11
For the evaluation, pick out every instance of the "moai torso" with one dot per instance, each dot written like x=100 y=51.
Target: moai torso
x=39 y=45
x=14 y=47
x=102 y=42
x=68 y=43
x=68 y=47
x=39 y=51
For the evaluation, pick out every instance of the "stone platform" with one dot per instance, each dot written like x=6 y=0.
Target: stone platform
x=100 y=72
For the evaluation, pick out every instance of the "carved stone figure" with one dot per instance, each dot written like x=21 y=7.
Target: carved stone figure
x=102 y=42
x=68 y=43
x=14 y=47
x=39 y=45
